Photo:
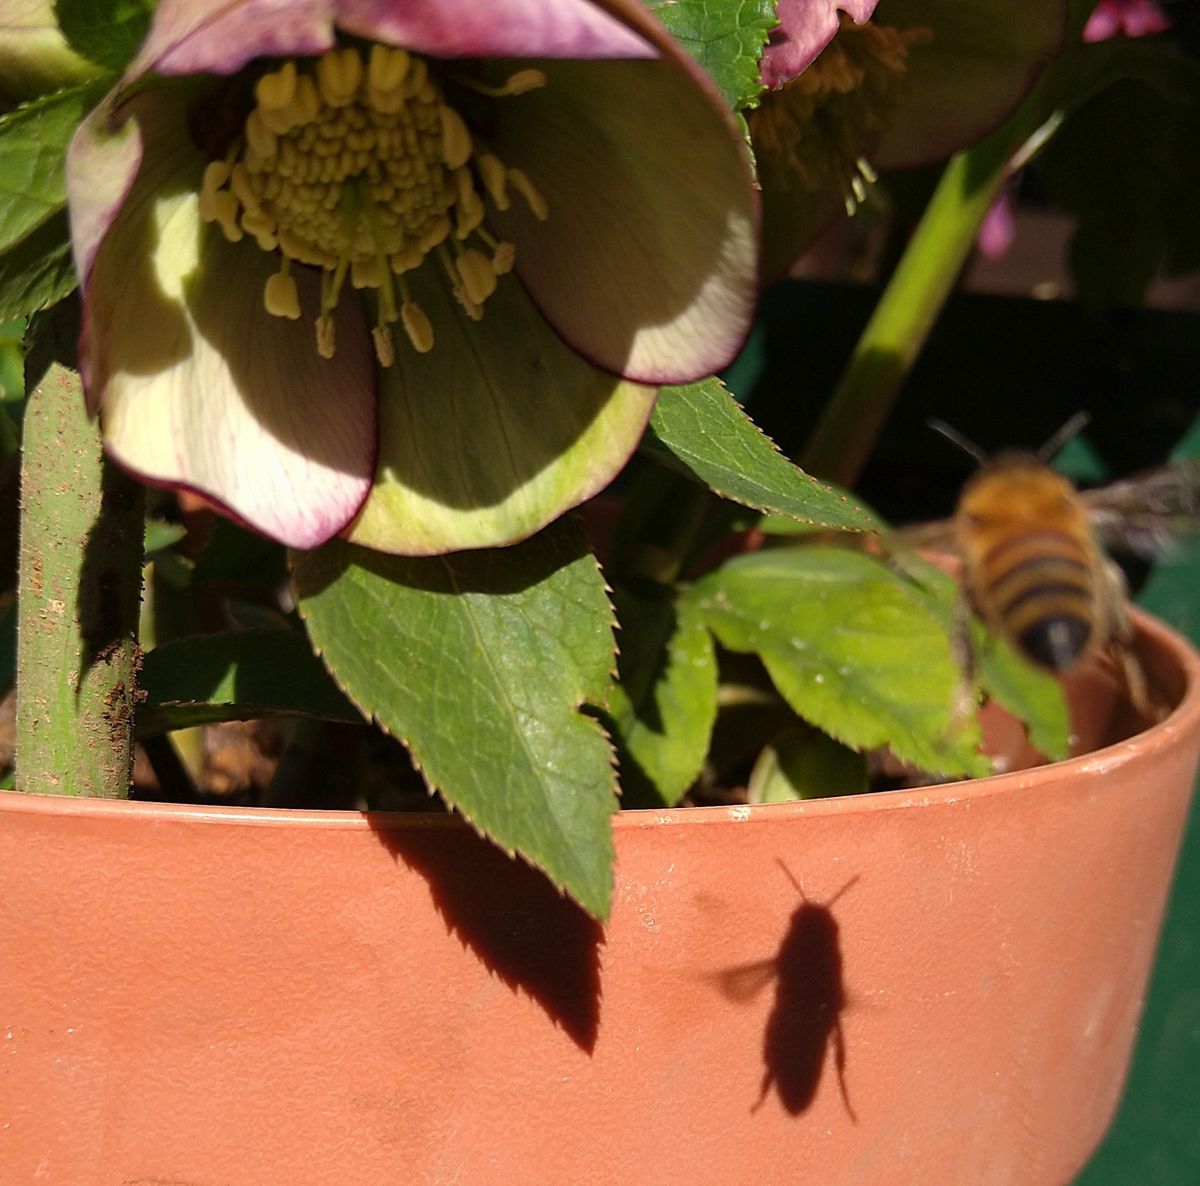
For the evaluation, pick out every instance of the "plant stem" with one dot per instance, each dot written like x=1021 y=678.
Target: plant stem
x=913 y=298
x=77 y=606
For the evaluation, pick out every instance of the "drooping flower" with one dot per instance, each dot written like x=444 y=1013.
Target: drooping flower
x=912 y=85
x=407 y=271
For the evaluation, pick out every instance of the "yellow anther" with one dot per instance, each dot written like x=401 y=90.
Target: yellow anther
x=326 y=338
x=503 y=258
x=386 y=68
x=216 y=174
x=338 y=74
x=524 y=80
x=221 y=207
x=533 y=199
x=385 y=345
x=418 y=75
x=475 y=271
x=456 y=140
x=417 y=327
x=259 y=137
x=356 y=166
x=494 y=176
x=277 y=89
x=281 y=297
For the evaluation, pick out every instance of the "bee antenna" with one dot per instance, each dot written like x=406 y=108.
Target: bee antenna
x=968 y=446
x=1066 y=434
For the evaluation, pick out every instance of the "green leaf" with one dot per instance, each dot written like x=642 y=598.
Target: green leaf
x=804 y=763
x=107 y=32
x=33 y=142
x=39 y=271
x=479 y=662
x=1032 y=695
x=239 y=676
x=665 y=700
x=701 y=431
x=726 y=37
x=852 y=646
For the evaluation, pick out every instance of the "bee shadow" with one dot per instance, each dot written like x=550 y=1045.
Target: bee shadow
x=520 y=927
x=805 y=1023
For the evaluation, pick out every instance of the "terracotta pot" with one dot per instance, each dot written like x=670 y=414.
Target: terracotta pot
x=225 y=997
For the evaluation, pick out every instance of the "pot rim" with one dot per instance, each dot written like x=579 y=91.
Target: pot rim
x=1183 y=718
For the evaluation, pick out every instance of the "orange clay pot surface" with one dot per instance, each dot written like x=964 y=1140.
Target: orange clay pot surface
x=230 y=997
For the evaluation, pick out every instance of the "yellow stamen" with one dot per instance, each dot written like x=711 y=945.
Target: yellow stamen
x=358 y=166
x=280 y=295
x=533 y=199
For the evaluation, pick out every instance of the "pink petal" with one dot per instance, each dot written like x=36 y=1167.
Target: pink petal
x=805 y=28
x=998 y=229
x=496 y=28
x=197 y=385
x=220 y=36
x=644 y=269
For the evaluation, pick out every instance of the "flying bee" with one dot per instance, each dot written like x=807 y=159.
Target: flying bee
x=1033 y=552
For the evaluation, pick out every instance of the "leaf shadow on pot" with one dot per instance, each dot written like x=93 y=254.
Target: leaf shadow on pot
x=509 y=914
x=805 y=1022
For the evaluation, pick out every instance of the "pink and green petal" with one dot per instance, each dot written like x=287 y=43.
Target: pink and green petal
x=221 y=36
x=979 y=64
x=805 y=28
x=496 y=431
x=197 y=387
x=495 y=29
x=647 y=263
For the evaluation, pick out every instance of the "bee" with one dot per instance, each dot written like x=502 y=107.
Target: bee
x=1033 y=553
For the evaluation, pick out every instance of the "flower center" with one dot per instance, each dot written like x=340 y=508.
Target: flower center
x=362 y=169
x=820 y=121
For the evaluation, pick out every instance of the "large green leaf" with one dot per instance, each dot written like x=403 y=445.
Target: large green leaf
x=665 y=700
x=238 y=676
x=479 y=662
x=38 y=271
x=701 y=431
x=106 y=32
x=725 y=36
x=804 y=763
x=852 y=646
x=33 y=142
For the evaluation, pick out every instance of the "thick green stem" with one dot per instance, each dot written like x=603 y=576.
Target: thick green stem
x=928 y=270
x=77 y=604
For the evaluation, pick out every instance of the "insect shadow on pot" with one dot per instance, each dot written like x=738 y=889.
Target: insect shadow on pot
x=810 y=995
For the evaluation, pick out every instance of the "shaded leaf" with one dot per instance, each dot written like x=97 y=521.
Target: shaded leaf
x=479 y=662
x=107 y=32
x=804 y=763
x=239 y=676
x=33 y=142
x=37 y=272
x=664 y=703
x=701 y=431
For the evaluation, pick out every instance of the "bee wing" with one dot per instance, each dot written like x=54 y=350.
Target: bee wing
x=1144 y=514
x=936 y=536
x=746 y=981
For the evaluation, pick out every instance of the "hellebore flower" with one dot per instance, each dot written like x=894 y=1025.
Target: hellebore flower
x=1125 y=18
x=406 y=270
x=917 y=82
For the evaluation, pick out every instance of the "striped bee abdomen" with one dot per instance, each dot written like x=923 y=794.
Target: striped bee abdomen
x=1039 y=589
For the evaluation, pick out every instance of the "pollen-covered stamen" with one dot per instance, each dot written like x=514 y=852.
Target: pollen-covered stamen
x=820 y=121
x=361 y=168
